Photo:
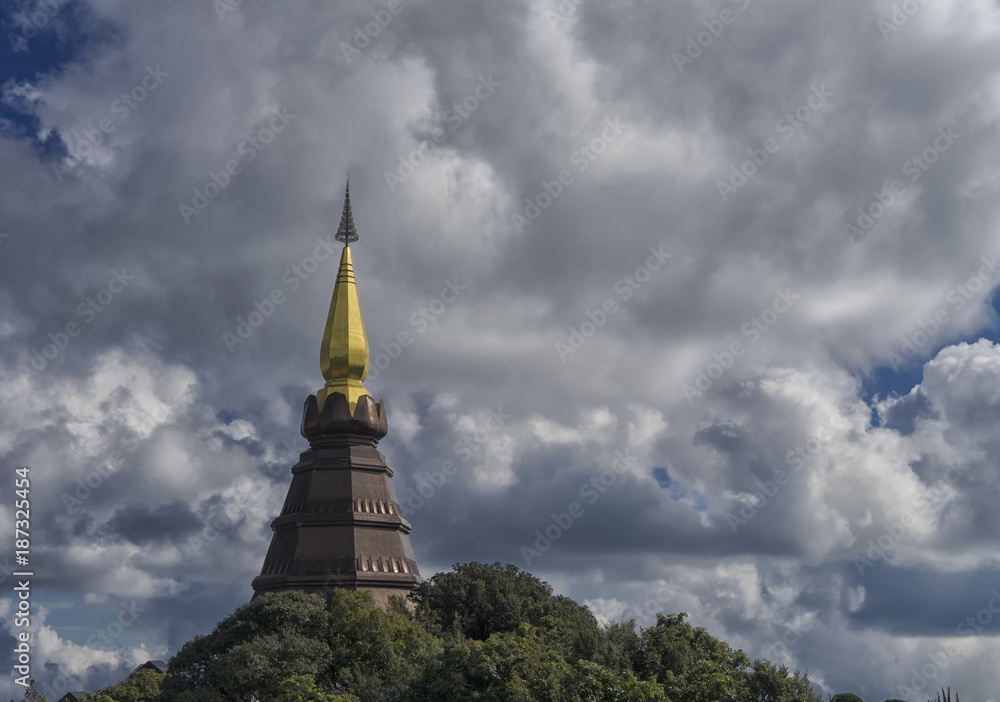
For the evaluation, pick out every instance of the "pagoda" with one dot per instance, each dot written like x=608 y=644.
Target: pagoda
x=340 y=525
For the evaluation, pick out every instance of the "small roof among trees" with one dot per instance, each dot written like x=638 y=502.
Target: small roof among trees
x=159 y=666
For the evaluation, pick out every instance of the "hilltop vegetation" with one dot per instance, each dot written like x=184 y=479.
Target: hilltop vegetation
x=488 y=633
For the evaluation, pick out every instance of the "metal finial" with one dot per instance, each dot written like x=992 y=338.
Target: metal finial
x=347 y=233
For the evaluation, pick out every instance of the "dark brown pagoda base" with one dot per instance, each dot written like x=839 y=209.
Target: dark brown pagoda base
x=341 y=526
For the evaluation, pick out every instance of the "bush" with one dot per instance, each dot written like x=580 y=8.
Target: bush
x=489 y=633
x=297 y=640
x=478 y=600
x=140 y=686
x=268 y=640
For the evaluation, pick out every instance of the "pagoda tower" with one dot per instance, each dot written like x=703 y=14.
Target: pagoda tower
x=340 y=525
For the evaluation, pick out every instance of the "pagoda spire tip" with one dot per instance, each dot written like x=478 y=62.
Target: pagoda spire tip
x=347 y=231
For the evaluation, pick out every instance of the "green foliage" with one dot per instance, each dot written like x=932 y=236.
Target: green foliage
x=478 y=600
x=765 y=683
x=694 y=666
x=347 y=645
x=846 y=697
x=481 y=599
x=593 y=683
x=488 y=633
x=375 y=654
x=140 y=686
x=268 y=640
x=621 y=647
x=691 y=664
x=507 y=666
x=945 y=696
x=571 y=628
x=398 y=605
x=302 y=688
x=522 y=666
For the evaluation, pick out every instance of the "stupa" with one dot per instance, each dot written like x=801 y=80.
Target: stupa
x=341 y=525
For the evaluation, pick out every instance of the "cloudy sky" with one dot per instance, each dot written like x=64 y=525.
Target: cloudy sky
x=697 y=297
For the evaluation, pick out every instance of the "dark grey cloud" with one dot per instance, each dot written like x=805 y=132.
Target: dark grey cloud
x=912 y=601
x=153 y=526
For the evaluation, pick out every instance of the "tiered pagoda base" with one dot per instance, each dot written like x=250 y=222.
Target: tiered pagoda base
x=341 y=526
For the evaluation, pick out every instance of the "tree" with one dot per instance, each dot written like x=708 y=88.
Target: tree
x=571 y=628
x=488 y=633
x=374 y=654
x=765 y=683
x=140 y=686
x=590 y=682
x=349 y=645
x=846 y=697
x=620 y=647
x=478 y=600
x=672 y=647
x=302 y=688
x=522 y=666
x=692 y=665
x=507 y=666
x=248 y=654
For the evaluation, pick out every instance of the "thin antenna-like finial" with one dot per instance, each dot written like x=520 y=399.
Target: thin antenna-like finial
x=347 y=232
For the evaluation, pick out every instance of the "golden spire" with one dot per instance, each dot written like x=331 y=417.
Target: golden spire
x=343 y=357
